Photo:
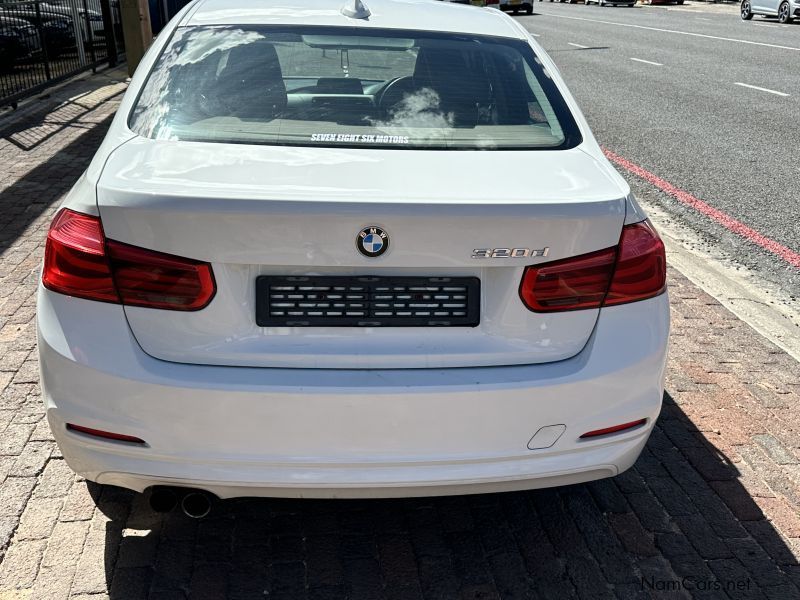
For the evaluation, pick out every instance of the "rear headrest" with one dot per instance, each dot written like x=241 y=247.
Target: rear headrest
x=437 y=64
x=253 y=80
x=461 y=88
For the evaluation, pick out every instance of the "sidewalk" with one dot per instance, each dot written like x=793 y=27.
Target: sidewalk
x=710 y=510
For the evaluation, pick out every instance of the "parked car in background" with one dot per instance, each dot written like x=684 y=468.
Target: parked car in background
x=96 y=23
x=72 y=10
x=92 y=18
x=628 y=3
x=57 y=30
x=12 y=47
x=92 y=5
x=784 y=10
x=515 y=6
x=512 y=6
x=22 y=38
x=59 y=35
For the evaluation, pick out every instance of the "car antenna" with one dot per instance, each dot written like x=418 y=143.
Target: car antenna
x=355 y=9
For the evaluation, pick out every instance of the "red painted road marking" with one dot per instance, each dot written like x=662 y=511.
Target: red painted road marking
x=727 y=221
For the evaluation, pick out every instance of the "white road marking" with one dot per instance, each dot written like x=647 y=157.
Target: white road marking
x=760 y=89
x=675 y=31
x=535 y=34
x=577 y=45
x=647 y=62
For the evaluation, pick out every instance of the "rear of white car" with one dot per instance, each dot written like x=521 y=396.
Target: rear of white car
x=299 y=266
x=514 y=6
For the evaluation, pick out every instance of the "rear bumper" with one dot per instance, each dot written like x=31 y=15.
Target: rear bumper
x=345 y=433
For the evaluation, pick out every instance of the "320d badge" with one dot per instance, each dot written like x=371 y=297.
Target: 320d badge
x=509 y=253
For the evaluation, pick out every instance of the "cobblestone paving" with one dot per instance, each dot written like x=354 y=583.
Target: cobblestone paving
x=710 y=510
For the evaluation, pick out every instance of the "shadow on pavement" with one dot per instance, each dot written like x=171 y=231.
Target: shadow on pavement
x=660 y=529
x=33 y=130
x=22 y=202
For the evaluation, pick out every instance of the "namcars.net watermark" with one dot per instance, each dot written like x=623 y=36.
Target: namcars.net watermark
x=690 y=584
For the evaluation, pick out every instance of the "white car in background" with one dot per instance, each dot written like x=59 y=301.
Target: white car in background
x=785 y=10
x=515 y=6
x=299 y=266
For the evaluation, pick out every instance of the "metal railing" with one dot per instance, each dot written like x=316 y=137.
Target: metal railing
x=45 y=41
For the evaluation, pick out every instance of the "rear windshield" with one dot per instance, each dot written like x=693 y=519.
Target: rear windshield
x=346 y=87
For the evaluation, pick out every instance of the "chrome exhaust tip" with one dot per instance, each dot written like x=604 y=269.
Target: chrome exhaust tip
x=196 y=505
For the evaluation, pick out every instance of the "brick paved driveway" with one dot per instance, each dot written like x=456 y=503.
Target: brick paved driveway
x=710 y=510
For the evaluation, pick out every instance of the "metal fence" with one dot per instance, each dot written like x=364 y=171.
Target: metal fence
x=45 y=41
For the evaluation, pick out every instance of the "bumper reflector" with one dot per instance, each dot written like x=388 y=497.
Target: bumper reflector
x=614 y=429
x=107 y=435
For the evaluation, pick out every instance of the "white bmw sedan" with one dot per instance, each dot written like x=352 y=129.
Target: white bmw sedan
x=350 y=251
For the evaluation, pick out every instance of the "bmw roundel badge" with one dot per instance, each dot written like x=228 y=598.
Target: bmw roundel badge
x=372 y=241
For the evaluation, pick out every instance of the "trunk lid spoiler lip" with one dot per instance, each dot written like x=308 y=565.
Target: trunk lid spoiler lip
x=263 y=172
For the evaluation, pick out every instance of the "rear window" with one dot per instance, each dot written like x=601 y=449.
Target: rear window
x=347 y=87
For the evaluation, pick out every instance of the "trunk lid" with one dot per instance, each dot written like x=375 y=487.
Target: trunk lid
x=255 y=211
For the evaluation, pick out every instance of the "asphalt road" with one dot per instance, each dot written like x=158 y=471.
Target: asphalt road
x=688 y=116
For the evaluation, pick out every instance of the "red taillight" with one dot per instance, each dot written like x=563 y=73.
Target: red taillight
x=641 y=270
x=75 y=260
x=634 y=270
x=569 y=284
x=106 y=435
x=156 y=280
x=614 y=429
x=80 y=262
